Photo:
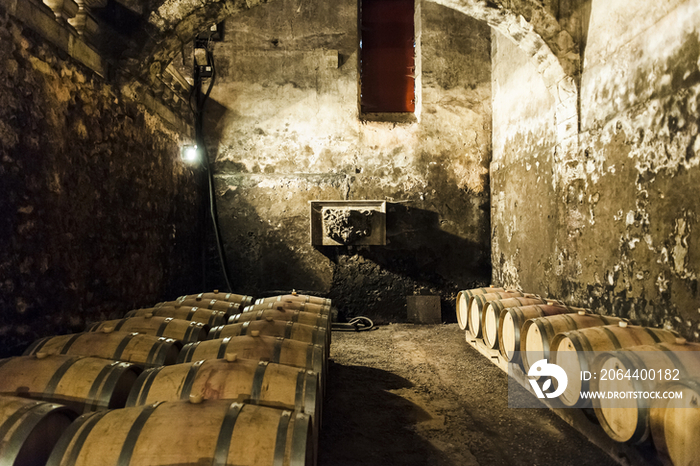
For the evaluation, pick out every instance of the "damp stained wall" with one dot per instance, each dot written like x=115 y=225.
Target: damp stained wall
x=97 y=214
x=624 y=206
x=283 y=129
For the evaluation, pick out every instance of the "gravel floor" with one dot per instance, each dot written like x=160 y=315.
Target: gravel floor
x=420 y=395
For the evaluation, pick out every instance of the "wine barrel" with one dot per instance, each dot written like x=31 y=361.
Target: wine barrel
x=628 y=420
x=208 y=317
x=169 y=327
x=232 y=378
x=536 y=334
x=30 y=429
x=512 y=319
x=476 y=306
x=258 y=347
x=323 y=309
x=274 y=328
x=492 y=312
x=218 y=432
x=80 y=383
x=463 y=303
x=241 y=299
x=301 y=298
x=675 y=424
x=299 y=317
x=585 y=341
x=145 y=350
x=227 y=308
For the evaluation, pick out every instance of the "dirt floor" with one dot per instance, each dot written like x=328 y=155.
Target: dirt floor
x=420 y=395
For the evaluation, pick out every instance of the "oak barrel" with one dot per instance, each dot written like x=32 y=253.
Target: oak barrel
x=313 y=308
x=476 y=306
x=274 y=328
x=580 y=345
x=169 y=327
x=536 y=334
x=299 y=317
x=628 y=420
x=512 y=319
x=226 y=307
x=81 y=383
x=675 y=424
x=462 y=305
x=241 y=299
x=208 y=317
x=145 y=350
x=302 y=298
x=259 y=347
x=29 y=430
x=492 y=312
x=233 y=378
x=216 y=432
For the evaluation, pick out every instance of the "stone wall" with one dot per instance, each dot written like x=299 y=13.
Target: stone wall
x=98 y=214
x=283 y=127
x=625 y=205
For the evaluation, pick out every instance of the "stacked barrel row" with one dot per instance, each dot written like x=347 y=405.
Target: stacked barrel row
x=526 y=328
x=209 y=377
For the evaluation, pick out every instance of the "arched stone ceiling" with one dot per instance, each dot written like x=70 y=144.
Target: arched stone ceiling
x=529 y=23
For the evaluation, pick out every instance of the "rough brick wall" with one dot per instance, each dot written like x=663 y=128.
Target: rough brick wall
x=97 y=214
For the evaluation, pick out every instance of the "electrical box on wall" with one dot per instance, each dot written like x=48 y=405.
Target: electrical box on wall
x=348 y=223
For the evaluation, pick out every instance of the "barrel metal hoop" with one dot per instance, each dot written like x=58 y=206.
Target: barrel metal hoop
x=677 y=363
x=24 y=429
x=14 y=418
x=186 y=355
x=228 y=296
x=122 y=346
x=259 y=315
x=133 y=435
x=570 y=321
x=295 y=316
x=222 y=348
x=163 y=326
x=318 y=358
x=653 y=334
x=120 y=324
x=110 y=384
x=152 y=353
x=84 y=424
x=92 y=401
x=69 y=343
x=223 y=443
x=244 y=328
x=256 y=388
x=297 y=456
x=612 y=337
x=56 y=378
x=189 y=380
x=281 y=441
x=234 y=319
x=147 y=383
x=277 y=350
x=299 y=393
x=191 y=333
x=163 y=348
x=546 y=330
x=310 y=399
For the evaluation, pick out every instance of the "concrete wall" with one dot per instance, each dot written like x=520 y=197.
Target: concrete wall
x=98 y=216
x=624 y=206
x=283 y=127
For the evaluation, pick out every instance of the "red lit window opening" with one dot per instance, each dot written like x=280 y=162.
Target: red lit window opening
x=387 y=56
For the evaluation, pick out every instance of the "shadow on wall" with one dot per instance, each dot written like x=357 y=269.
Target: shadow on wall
x=420 y=258
x=372 y=426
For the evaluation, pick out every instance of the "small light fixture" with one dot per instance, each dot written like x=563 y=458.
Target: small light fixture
x=189 y=154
